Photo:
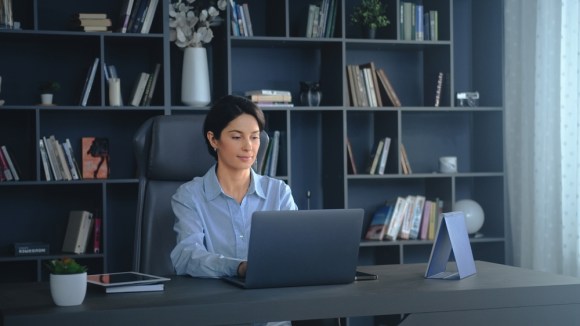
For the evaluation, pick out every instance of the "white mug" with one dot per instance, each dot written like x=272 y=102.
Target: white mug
x=448 y=164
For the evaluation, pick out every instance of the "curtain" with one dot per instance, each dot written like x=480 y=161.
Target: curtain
x=542 y=133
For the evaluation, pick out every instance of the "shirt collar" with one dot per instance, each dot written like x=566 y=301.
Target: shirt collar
x=213 y=188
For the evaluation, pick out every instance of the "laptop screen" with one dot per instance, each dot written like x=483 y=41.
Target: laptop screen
x=303 y=247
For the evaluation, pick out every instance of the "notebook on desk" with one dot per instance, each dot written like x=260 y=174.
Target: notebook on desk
x=303 y=247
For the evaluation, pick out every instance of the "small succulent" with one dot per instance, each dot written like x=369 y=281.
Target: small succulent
x=49 y=87
x=65 y=265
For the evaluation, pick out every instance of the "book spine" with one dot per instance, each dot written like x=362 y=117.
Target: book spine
x=44 y=158
x=89 y=82
x=5 y=168
x=69 y=161
x=248 y=20
x=149 y=17
x=10 y=163
x=52 y=159
x=97 y=234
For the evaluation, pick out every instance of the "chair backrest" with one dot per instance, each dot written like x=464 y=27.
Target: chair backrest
x=170 y=150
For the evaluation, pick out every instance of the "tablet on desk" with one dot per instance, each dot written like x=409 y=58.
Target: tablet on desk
x=124 y=279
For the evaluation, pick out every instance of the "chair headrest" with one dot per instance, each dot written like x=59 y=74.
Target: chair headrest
x=172 y=148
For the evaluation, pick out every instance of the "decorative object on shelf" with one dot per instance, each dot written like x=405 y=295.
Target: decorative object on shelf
x=310 y=94
x=68 y=281
x=470 y=99
x=47 y=90
x=114 y=91
x=474 y=216
x=448 y=164
x=370 y=15
x=190 y=29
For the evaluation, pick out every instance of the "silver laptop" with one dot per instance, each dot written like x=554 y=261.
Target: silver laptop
x=303 y=247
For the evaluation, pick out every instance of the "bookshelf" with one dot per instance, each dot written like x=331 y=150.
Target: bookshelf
x=313 y=158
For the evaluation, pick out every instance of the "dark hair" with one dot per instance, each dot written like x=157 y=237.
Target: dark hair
x=224 y=111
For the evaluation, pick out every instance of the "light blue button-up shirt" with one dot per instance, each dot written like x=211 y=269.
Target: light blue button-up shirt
x=213 y=230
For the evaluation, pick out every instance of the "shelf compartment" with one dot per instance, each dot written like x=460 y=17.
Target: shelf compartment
x=17 y=130
x=428 y=135
x=118 y=125
x=267 y=67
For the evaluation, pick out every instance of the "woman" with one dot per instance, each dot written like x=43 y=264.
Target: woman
x=214 y=211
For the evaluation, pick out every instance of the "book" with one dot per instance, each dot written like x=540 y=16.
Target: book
x=148 y=20
x=374 y=82
x=5 y=169
x=77 y=231
x=45 y=163
x=417 y=217
x=102 y=22
x=369 y=87
x=270 y=98
x=388 y=87
x=95 y=158
x=362 y=93
x=139 y=89
x=52 y=159
x=98 y=222
x=351 y=157
x=379 y=223
x=275 y=152
x=89 y=82
x=352 y=87
x=90 y=15
x=12 y=163
x=376 y=156
x=69 y=148
x=408 y=218
x=438 y=88
x=405 y=161
x=423 y=235
x=267 y=92
x=148 y=95
x=135 y=288
x=62 y=161
x=247 y=19
x=384 y=155
x=69 y=160
x=94 y=28
x=397 y=219
x=138 y=10
x=125 y=15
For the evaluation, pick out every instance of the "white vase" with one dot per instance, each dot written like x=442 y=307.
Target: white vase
x=68 y=289
x=195 y=77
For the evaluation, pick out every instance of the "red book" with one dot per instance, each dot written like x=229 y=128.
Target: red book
x=97 y=235
x=95 y=158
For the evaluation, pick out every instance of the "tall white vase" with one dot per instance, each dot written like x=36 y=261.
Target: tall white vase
x=195 y=90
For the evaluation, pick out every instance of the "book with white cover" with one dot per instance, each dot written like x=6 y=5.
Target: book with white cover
x=45 y=162
x=397 y=219
x=77 y=232
x=89 y=82
x=135 y=288
x=267 y=92
x=384 y=155
x=10 y=163
x=127 y=282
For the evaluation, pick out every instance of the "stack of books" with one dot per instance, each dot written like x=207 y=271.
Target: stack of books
x=270 y=98
x=92 y=22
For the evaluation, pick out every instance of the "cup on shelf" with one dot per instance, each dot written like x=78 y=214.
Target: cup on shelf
x=114 y=91
x=448 y=164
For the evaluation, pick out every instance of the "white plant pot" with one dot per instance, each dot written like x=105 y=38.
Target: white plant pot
x=195 y=90
x=46 y=99
x=68 y=289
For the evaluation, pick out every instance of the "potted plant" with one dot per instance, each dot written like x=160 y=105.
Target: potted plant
x=68 y=281
x=47 y=90
x=370 y=14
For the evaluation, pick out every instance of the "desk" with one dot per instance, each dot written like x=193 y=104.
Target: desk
x=495 y=293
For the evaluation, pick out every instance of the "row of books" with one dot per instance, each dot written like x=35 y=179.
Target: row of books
x=379 y=157
x=8 y=166
x=92 y=22
x=137 y=16
x=82 y=226
x=241 y=21
x=407 y=218
x=269 y=164
x=417 y=24
x=365 y=89
x=321 y=19
x=59 y=161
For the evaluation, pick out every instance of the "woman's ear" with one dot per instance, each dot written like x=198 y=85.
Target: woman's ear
x=212 y=140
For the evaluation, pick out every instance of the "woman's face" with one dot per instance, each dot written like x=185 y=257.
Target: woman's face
x=238 y=145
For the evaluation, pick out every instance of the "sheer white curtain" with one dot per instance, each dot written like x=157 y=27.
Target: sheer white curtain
x=542 y=94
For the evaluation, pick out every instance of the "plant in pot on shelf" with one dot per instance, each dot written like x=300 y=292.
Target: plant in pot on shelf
x=68 y=281
x=190 y=28
x=47 y=90
x=370 y=15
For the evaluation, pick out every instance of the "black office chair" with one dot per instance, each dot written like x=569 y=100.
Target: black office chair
x=170 y=151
